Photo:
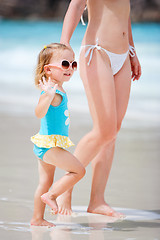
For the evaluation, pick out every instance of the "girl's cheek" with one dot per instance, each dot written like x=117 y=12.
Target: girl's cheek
x=55 y=74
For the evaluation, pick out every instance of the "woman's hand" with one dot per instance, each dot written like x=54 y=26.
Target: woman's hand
x=135 y=67
x=48 y=86
x=68 y=45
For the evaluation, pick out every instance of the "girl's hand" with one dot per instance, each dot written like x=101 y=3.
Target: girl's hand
x=135 y=67
x=48 y=86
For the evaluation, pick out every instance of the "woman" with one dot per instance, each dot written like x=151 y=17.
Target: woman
x=106 y=63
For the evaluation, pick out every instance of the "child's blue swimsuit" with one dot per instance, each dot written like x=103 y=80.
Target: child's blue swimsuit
x=54 y=128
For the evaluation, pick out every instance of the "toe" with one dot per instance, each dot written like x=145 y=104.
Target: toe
x=66 y=212
x=110 y=213
x=70 y=212
x=62 y=212
x=59 y=209
x=51 y=225
x=54 y=211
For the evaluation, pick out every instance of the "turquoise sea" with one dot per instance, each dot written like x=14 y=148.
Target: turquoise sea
x=20 y=42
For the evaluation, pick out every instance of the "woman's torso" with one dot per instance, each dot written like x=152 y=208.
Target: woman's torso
x=108 y=21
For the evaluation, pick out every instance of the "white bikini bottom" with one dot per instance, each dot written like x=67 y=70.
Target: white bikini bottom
x=116 y=60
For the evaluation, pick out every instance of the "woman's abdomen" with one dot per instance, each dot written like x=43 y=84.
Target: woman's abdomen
x=110 y=28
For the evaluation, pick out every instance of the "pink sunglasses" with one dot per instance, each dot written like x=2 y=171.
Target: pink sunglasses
x=65 y=64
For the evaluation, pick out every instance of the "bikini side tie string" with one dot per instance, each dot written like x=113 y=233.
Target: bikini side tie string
x=131 y=51
x=91 y=49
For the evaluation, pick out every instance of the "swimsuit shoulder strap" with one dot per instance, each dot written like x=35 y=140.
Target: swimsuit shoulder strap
x=57 y=91
x=64 y=95
x=60 y=92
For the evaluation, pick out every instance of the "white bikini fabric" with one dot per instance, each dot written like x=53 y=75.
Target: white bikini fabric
x=116 y=60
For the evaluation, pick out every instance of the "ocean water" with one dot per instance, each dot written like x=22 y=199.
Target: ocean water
x=20 y=43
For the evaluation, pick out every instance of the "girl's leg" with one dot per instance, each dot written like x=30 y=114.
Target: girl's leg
x=102 y=163
x=66 y=161
x=46 y=175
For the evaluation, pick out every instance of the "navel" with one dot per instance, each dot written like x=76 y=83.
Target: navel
x=124 y=34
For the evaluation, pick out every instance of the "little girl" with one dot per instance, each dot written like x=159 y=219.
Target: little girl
x=55 y=66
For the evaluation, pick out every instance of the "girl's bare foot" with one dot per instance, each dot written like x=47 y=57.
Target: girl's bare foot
x=104 y=209
x=64 y=204
x=50 y=202
x=41 y=222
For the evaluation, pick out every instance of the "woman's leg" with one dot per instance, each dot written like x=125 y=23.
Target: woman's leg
x=66 y=161
x=46 y=175
x=122 y=87
x=101 y=166
x=102 y=163
x=100 y=90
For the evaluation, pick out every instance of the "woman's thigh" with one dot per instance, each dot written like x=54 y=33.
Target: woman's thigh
x=100 y=90
x=122 y=91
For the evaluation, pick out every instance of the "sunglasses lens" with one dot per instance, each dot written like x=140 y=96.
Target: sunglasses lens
x=74 y=65
x=65 y=64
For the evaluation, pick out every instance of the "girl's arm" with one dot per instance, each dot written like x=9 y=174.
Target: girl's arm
x=43 y=105
x=71 y=20
x=135 y=65
x=46 y=98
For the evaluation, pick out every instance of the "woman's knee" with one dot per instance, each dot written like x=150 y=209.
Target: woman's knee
x=105 y=135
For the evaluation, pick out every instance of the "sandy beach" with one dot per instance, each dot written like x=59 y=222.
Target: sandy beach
x=133 y=182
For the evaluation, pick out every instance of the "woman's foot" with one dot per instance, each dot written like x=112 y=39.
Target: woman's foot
x=64 y=204
x=41 y=222
x=104 y=209
x=47 y=199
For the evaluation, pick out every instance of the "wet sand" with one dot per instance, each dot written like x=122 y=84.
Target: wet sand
x=133 y=184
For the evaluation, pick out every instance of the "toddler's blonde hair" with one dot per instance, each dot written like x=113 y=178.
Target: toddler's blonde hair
x=50 y=51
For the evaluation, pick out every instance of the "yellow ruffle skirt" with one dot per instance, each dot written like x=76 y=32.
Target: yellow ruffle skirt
x=48 y=141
